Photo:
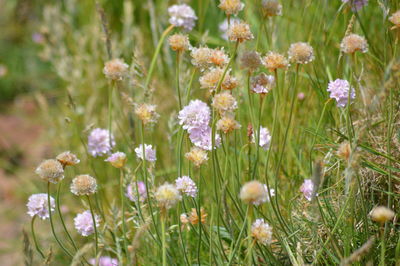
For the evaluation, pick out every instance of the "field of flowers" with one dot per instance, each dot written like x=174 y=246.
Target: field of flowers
x=217 y=132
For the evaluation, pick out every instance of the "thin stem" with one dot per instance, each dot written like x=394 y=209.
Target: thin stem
x=258 y=135
x=236 y=245
x=34 y=237
x=164 y=248
x=121 y=191
x=250 y=245
x=94 y=226
x=178 y=90
x=110 y=96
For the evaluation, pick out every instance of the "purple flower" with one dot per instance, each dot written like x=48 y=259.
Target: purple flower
x=186 y=185
x=265 y=138
x=196 y=114
x=117 y=159
x=182 y=16
x=38 y=205
x=99 y=142
x=201 y=137
x=84 y=223
x=150 y=153
x=133 y=188
x=356 y=4
x=339 y=90
x=104 y=261
x=307 y=188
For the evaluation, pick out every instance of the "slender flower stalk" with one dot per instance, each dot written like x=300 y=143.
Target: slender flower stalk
x=121 y=191
x=34 y=237
x=94 y=226
x=164 y=248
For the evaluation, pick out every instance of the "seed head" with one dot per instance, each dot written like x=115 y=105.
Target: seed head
x=271 y=8
x=224 y=102
x=147 y=113
x=201 y=57
x=353 y=43
x=395 y=19
x=381 y=214
x=250 y=60
x=197 y=156
x=167 y=196
x=240 y=32
x=67 y=158
x=179 y=42
x=227 y=124
x=231 y=7
x=253 y=192
x=115 y=69
x=51 y=171
x=261 y=232
x=83 y=185
x=218 y=57
x=301 y=53
x=273 y=61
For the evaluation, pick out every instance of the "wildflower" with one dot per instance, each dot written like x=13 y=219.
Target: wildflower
x=184 y=219
x=273 y=61
x=301 y=96
x=212 y=77
x=186 y=185
x=197 y=156
x=218 y=57
x=104 y=261
x=231 y=7
x=381 y=214
x=271 y=8
x=353 y=43
x=224 y=27
x=84 y=223
x=67 y=158
x=356 y=4
x=340 y=91
x=261 y=232
x=147 y=113
x=134 y=188
x=271 y=191
x=83 y=185
x=265 y=138
x=307 y=188
x=229 y=82
x=115 y=69
x=262 y=83
x=194 y=217
x=202 y=137
x=100 y=142
x=253 y=192
x=395 y=19
x=195 y=114
x=224 y=102
x=38 y=205
x=182 y=16
x=51 y=171
x=227 y=124
x=117 y=159
x=301 y=53
x=201 y=57
x=179 y=42
x=167 y=196
x=250 y=60
x=150 y=153
x=240 y=32
x=344 y=151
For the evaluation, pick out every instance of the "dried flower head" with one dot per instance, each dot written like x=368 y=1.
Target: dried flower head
x=231 y=7
x=167 y=196
x=381 y=214
x=115 y=69
x=353 y=43
x=150 y=153
x=262 y=83
x=179 y=42
x=83 y=185
x=100 y=142
x=273 y=61
x=117 y=159
x=265 y=138
x=51 y=171
x=84 y=223
x=261 y=232
x=184 y=219
x=104 y=261
x=344 y=151
x=253 y=192
x=224 y=102
x=187 y=186
x=38 y=205
x=147 y=113
x=224 y=27
x=136 y=188
x=194 y=217
x=340 y=91
x=271 y=8
x=240 y=32
x=395 y=19
x=227 y=124
x=201 y=57
x=301 y=53
x=218 y=57
x=182 y=16
x=67 y=158
x=307 y=188
x=250 y=60
x=197 y=156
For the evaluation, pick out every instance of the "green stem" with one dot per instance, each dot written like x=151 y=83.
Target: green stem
x=110 y=96
x=250 y=245
x=34 y=237
x=258 y=135
x=121 y=191
x=94 y=226
x=164 y=248
x=236 y=245
x=178 y=90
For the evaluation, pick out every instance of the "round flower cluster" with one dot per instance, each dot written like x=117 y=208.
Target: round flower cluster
x=224 y=27
x=262 y=83
x=224 y=102
x=301 y=53
x=240 y=32
x=136 y=188
x=395 y=19
x=231 y=7
x=273 y=61
x=146 y=113
x=115 y=69
x=250 y=60
x=265 y=138
x=167 y=196
x=179 y=42
x=382 y=214
x=83 y=185
x=117 y=159
x=307 y=188
x=67 y=158
x=253 y=192
x=227 y=124
x=84 y=223
x=51 y=171
x=353 y=43
x=261 y=232
x=100 y=142
x=271 y=8
x=340 y=91
x=150 y=153
x=182 y=16
x=104 y=261
x=197 y=156
x=186 y=185
x=38 y=205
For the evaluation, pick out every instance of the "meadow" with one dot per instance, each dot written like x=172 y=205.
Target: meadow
x=215 y=132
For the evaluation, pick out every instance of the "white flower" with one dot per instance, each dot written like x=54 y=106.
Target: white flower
x=38 y=205
x=150 y=153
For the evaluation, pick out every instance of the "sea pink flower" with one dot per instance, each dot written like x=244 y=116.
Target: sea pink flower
x=149 y=152
x=186 y=185
x=38 y=205
x=356 y=4
x=202 y=137
x=307 y=188
x=84 y=223
x=339 y=90
x=104 y=261
x=265 y=138
x=133 y=188
x=182 y=16
x=196 y=114
x=100 y=142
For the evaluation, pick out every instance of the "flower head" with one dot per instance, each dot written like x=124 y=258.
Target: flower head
x=224 y=102
x=344 y=150
x=201 y=57
x=186 y=185
x=218 y=57
x=301 y=53
x=115 y=69
x=197 y=156
x=381 y=214
x=271 y=8
x=84 y=223
x=265 y=138
x=179 y=42
x=202 y=137
x=117 y=159
x=167 y=196
x=83 y=185
x=262 y=83
x=150 y=153
x=395 y=19
x=104 y=261
x=67 y=158
x=261 y=232
x=250 y=60
x=356 y=4
x=307 y=188
x=100 y=142
x=253 y=192
x=224 y=27
x=274 y=61
x=231 y=7
x=38 y=205
x=195 y=114
x=227 y=124
x=340 y=91
x=51 y=171
x=240 y=32
x=353 y=43
x=136 y=188
x=194 y=216
x=182 y=16
x=146 y=113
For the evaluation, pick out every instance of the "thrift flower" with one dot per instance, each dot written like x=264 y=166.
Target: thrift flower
x=67 y=158
x=340 y=91
x=186 y=185
x=395 y=19
x=381 y=214
x=273 y=61
x=261 y=232
x=240 y=32
x=353 y=43
x=197 y=156
x=201 y=57
x=182 y=16
x=84 y=223
x=117 y=159
x=51 y=171
x=231 y=7
x=104 y=261
x=149 y=152
x=223 y=27
x=38 y=205
x=202 y=137
x=307 y=188
x=100 y=142
x=301 y=53
x=167 y=196
x=218 y=57
x=227 y=124
x=179 y=42
x=265 y=138
x=253 y=192
x=250 y=60
x=196 y=114
x=83 y=185
x=262 y=83
x=115 y=69
x=224 y=102
x=356 y=4
x=133 y=188
x=146 y=113
x=271 y=8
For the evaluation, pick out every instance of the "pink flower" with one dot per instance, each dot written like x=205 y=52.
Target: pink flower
x=133 y=188
x=196 y=114
x=265 y=138
x=307 y=188
x=84 y=223
x=202 y=137
x=150 y=153
x=104 y=261
x=186 y=185
x=339 y=90
x=100 y=142
x=182 y=16
x=38 y=205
